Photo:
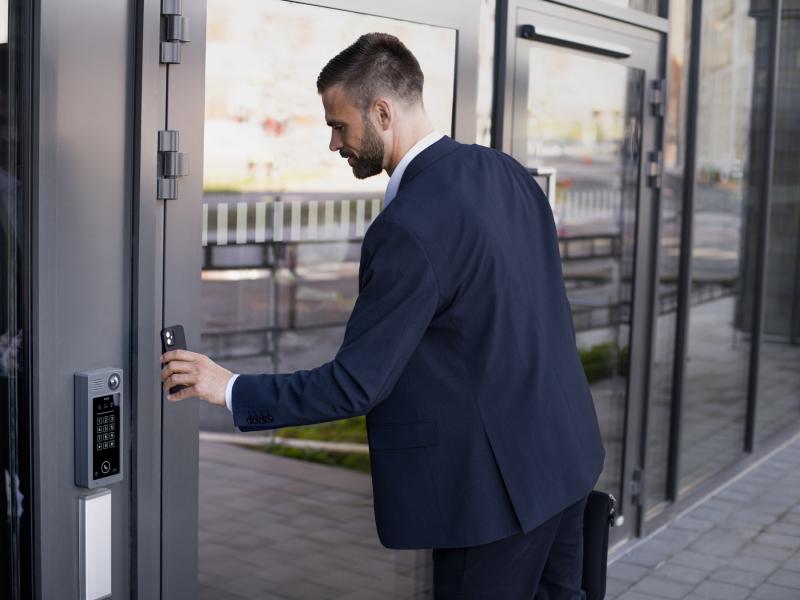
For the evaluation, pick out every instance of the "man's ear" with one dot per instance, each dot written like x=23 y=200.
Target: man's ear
x=384 y=111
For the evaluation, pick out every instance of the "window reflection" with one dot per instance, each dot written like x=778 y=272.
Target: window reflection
x=779 y=378
x=592 y=141
x=14 y=523
x=264 y=123
x=283 y=219
x=718 y=345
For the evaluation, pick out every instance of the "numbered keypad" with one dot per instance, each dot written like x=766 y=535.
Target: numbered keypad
x=105 y=434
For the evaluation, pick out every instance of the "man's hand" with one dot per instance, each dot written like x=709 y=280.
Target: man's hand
x=203 y=377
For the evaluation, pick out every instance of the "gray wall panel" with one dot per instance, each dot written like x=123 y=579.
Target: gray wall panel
x=83 y=257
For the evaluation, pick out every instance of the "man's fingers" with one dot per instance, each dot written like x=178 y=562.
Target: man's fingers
x=185 y=355
x=179 y=379
x=182 y=394
x=177 y=366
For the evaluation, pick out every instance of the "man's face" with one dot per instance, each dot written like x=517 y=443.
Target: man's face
x=352 y=136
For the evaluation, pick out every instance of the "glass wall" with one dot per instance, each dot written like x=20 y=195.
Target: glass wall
x=729 y=146
x=13 y=240
x=779 y=375
x=283 y=221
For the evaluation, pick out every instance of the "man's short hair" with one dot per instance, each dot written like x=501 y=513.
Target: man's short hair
x=376 y=64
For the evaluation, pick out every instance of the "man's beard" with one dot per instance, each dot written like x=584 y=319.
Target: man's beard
x=369 y=161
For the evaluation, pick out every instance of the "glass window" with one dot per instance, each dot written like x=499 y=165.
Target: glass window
x=730 y=115
x=13 y=251
x=592 y=142
x=264 y=128
x=283 y=221
x=779 y=377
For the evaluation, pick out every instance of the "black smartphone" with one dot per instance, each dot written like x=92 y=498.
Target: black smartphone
x=173 y=338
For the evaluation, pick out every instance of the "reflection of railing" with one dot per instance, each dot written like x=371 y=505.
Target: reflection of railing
x=590 y=246
x=586 y=205
x=280 y=261
x=262 y=218
x=267 y=235
x=265 y=232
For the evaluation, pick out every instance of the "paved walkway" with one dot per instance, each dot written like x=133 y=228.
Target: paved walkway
x=276 y=528
x=743 y=542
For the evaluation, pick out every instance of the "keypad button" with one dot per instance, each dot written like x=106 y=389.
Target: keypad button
x=111 y=427
x=99 y=446
x=99 y=437
x=99 y=420
x=110 y=444
x=111 y=435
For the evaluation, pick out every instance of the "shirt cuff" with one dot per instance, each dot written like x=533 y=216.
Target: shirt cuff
x=229 y=392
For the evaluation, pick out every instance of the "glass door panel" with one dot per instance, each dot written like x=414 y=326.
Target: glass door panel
x=581 y=118
x=15 y=500
x=593 y=143
x=283 y=220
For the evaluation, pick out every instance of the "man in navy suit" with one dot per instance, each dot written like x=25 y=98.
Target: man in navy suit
x=483 y=437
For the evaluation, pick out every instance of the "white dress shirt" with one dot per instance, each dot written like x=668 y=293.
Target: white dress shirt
x=388 y=196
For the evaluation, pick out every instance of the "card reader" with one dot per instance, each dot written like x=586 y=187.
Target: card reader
x=98 y=427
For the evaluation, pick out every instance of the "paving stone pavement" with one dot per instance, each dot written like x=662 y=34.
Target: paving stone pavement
x=742 y=542
x=274 y=528
x=277 y=529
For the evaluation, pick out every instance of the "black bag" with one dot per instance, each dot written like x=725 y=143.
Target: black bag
x=598 y=516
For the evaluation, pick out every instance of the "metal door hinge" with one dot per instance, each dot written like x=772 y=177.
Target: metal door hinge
x=175 y=31
x=654 y=169
x=658 y=97
x=171 y=164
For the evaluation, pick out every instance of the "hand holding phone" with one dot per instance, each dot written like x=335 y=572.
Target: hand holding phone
x=173 y=338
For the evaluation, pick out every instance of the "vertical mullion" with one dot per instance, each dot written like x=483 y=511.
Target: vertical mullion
x=765 y=192
x=500 y=69
x=685 y=261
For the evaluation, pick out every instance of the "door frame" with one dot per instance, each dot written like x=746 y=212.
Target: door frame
x=512 y=74
x=166 y=273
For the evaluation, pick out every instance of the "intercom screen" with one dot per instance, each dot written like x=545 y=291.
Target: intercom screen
x=105 y=422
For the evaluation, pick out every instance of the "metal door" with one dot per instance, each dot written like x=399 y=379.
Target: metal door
x=583 y=108
x=184 y=230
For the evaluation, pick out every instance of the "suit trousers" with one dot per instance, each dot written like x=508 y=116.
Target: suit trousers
x=544 y=564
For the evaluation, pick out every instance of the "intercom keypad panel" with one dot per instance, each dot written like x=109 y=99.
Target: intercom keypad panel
x=106 y=448
x=99 y=427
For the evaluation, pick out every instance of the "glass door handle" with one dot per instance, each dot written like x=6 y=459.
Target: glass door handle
x=570 y=40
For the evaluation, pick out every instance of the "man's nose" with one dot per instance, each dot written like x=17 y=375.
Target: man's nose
x=336 y=143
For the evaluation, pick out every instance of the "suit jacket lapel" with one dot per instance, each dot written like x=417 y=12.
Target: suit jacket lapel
x=426 y=158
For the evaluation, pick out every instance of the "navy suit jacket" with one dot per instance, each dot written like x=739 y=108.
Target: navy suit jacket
x=461 y=353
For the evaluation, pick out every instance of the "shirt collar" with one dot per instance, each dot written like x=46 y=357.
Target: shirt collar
x=397 y=174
